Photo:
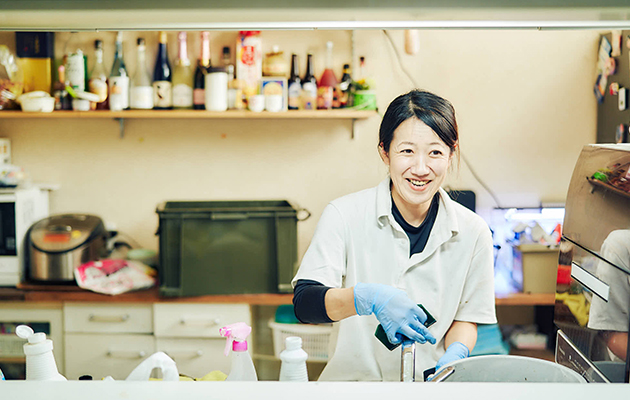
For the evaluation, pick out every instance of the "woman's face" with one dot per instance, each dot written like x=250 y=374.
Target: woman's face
x=418 y=161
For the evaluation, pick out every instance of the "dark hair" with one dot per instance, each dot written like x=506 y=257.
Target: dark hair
x=435 y=111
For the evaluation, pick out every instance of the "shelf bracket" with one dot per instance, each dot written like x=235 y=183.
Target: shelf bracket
x=121 y=126
x=354 y=120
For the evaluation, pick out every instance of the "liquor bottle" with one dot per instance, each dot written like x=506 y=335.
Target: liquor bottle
x=141 y=91
x=62 y=98
x=327 y=83
x=119 y=80
x=199 y=94
x=226 y=59
x=294 y=84
x=309 y=86
x=75 y=70
x=98 y=77
x=182 y=76
x=345 y=88
x=162 y=93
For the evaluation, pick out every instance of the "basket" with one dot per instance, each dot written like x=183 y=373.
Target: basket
x=314 y=338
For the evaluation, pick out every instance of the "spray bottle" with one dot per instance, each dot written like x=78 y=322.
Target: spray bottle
x=40 y=361
x=242 y=364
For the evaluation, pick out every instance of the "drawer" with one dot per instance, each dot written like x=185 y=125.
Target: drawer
x=102 y=355
x=99 y=318
x=196 y=357
x=197 y=320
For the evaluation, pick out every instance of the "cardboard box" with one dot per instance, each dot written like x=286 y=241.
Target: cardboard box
x=537 y=264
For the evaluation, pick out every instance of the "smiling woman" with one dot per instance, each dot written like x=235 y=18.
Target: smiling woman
x=384 y=251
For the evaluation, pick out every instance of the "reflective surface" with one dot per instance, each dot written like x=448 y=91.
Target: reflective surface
x=593 y=284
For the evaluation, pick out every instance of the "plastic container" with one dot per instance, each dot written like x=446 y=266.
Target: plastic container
x=40 y=361
x=216 y=89
x=315 y=338
x=227 y=247
x=293 y=367
x=365 y=99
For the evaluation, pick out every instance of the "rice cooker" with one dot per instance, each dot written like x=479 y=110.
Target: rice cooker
x=60 y=243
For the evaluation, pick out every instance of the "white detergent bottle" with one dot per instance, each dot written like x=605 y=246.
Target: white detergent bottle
x=40 y=361
x=242 y=364
x=293 y=367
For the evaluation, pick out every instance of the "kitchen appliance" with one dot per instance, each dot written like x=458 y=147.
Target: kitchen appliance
x=593 y=280
x=19 y=208
x=60 y=243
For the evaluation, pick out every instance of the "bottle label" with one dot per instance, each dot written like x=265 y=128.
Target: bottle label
x=325 y=97
x=199 y=97
x=182 y=95
x=118 y=92
x=75 y=71
x=99 y=87
x=162 y=95
x=309 y=96
x=141 y=97
x=295 y=92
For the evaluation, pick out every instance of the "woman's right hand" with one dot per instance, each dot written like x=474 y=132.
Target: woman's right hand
x=395 y=311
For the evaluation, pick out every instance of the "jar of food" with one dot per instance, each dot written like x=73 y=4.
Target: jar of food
x=274 y=63
x=216 y=89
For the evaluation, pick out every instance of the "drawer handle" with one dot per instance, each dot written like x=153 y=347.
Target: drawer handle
x=184 y=354
x=199 y=321
x=126 y=354
x=108 y=318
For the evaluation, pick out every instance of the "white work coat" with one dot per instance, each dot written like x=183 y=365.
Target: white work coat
x=358 y=240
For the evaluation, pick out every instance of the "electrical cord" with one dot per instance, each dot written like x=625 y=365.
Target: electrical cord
x=415 y=84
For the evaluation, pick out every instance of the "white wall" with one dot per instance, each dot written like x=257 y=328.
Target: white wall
x=523 y=100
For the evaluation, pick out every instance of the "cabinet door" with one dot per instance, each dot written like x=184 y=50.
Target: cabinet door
x=100 y=318
x=196 y=357
x=197 y=320
x=104 y=355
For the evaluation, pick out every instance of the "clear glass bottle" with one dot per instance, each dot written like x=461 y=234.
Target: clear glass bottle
x=182 y=76
x=199 y=94
x=98 y=77
x=119 y=79
x=141 y=90
x=162 y=93
x=327 y=83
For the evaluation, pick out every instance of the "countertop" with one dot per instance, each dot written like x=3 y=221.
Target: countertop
x=123 y=390
x=62 y=294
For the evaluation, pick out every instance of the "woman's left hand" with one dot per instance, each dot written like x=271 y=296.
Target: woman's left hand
x=456 y=351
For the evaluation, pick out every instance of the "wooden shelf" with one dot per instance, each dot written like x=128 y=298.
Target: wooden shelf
x=195 y=114
x=525 y=299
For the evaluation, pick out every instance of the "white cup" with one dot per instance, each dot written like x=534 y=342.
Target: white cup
x=273 y=102
x=256 y=102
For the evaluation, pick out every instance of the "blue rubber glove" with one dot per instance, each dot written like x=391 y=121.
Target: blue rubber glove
x=456 y=351
x=395 y=311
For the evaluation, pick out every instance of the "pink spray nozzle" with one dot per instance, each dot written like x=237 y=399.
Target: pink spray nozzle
x=236 y=335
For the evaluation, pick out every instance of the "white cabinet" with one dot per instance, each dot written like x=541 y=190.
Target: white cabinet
x=102 y=340
x=189 y=333
x=102 y=355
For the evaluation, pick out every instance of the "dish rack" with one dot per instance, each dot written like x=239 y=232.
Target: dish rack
x=315 y=338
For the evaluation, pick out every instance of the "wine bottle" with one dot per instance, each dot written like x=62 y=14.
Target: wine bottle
x=294 y=84
x=345 y=88
x=162 y=93
x=182 y=76
x=141 y=91
x=199 y=93
x=327 y=83
x=98 y=77
x=118 y=80
x=309 y=86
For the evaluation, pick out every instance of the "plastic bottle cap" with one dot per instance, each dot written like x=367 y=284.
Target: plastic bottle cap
x=24 y=331
x=293 y=343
